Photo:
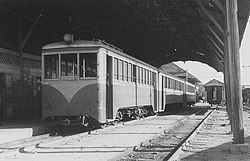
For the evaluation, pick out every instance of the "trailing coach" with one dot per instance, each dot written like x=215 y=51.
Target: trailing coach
x=96 y=79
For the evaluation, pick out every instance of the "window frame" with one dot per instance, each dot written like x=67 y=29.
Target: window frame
x=43 y=66
x=87 y=52
x=60 y=53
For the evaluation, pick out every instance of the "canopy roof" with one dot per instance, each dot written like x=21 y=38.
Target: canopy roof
x=156 y=31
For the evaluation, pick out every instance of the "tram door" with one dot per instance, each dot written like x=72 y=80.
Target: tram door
x=109 y=89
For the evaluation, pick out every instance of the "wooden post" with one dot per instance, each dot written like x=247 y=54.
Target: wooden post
x=226 y=73
x=232 y=38
x=227 y=83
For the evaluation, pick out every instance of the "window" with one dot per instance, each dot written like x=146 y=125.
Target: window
x=134 y=73
x=116 y=68
x=144 y=76
x=169 y=83
x=51 y=66
x=150 y=77
x=68 y=64
x=154 y=78
x=130 y=72
x=191 y=89
x=88 y=65
x=152 y=82
x=166 y=82
x=137 y=74
x=141 y=75
x=120 y=68
x=126 y=71
x=147 y=77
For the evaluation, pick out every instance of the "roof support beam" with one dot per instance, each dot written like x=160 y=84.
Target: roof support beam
x=214 y=44
x=217 y=54
x=214 y=33
x=210 y=16
x=219 y=5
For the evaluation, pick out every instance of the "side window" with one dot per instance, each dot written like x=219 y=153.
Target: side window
x=88 y=65
x=125 y=71
x=120 y=68
x=151 y=79
x=154 y=79
x=116 y=68
x=147 y=77
x=134 y=73
x=169 y=85
x=51 y=66
x=130 y=72
x=144 y=76
x=166 y=82
x=141 y=75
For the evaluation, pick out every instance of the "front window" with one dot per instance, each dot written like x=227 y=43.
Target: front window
x=51 y=64
x=88 y=65
x=68 y=65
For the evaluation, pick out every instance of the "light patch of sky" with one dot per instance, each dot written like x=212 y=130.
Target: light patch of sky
x=245 y=56
x=202 y=71
x=206 y=73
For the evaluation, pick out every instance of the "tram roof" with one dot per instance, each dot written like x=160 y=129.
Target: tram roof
x=155 y=31
x=92 y=44
x=80 y=43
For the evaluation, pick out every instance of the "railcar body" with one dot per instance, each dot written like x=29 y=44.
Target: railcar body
x=98 y=79
x=214 y=94
x=215 y=91
x=174 y=92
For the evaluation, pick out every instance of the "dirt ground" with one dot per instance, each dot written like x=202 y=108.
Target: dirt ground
x=213 y=141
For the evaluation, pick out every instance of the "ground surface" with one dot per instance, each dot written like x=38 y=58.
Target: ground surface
x=102 y=144
x=212 y=142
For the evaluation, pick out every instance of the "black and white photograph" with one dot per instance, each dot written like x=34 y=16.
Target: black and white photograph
x=124 y=80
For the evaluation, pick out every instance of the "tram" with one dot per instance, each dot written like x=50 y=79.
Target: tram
x=97 y=79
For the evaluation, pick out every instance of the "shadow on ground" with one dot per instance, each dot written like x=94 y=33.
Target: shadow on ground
x=185 y=111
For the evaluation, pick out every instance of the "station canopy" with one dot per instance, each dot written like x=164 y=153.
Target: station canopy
x=155 y=31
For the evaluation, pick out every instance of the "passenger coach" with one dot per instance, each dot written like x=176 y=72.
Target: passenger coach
x=97 y=79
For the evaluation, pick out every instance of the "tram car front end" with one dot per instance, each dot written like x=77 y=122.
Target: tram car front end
x=72 y=81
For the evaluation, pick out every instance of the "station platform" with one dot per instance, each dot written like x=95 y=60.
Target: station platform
x=16 y=130
x=213 y=141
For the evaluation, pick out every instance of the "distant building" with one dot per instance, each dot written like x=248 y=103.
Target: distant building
x=215 y=91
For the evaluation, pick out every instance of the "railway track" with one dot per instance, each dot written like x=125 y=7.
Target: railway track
x=166 y=144
x=158 y=137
